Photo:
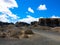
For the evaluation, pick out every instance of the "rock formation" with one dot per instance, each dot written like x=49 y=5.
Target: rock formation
x=14 y=30
x=19 y=24
x=35 y=23
x=52 y=22
x=2 y=24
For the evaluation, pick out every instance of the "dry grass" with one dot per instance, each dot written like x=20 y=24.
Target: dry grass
x=42 y=28
x=26 y=33
x=3 y=35
x=56 y=29
x=16 y=34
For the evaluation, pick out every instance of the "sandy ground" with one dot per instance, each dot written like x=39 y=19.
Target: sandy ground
x=40 y=38
x=52 y=35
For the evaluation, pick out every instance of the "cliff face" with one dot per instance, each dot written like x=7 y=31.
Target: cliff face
x=52 y=22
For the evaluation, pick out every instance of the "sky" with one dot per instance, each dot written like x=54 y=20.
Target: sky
x=28 y=10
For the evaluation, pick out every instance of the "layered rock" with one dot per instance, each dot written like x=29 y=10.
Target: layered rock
x=52 y=22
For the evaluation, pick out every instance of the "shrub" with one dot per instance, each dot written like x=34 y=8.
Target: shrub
x=29 y=32
x=56 y=29
x=3 y=35
x=24 y=36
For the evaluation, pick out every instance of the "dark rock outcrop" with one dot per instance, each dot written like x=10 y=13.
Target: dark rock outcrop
x=35 y=23
x=42 y=22
x=52 y=22
x=2 y=24
x=19 y=24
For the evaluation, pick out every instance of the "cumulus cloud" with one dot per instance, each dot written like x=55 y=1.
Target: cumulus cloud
x=42 y=7
x=5 y=6
x=30 y=10
x=41 y=17
x=55 y=16
x=4 y=18
x=29 y=19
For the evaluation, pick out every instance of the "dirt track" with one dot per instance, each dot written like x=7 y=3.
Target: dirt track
x=51 y=35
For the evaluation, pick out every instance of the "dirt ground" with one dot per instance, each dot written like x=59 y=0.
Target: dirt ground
x=34 y=40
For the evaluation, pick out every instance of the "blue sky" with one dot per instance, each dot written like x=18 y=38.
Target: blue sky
x=53 y=8
x=28 y=10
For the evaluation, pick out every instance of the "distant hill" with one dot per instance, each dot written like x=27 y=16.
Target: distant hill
x=51 y=22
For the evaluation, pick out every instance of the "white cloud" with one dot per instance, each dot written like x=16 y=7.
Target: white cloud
x=4 y=18
x=41 y=17
x=5 y=6
x=42 y=7
x=55 y=16
x=29 y=19
x=30 y=10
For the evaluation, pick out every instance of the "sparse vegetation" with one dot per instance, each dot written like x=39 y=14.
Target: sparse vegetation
x=29 y=32
x=23 y=29
x=56 y=29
